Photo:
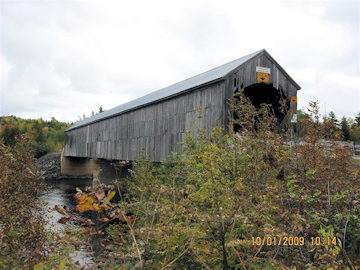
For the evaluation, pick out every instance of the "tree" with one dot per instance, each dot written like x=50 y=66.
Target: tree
x=195 y=209
x=9 y=135
x=345 y=129
x=53 y=121
x=22 y=234
x=227 y=173
x=204 y=207
x=332 y=117
x=320 y=183
x=357 y=119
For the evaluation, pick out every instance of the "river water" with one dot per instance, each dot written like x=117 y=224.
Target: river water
x=61 y=193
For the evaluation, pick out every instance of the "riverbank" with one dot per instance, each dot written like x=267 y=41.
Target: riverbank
x=50 y=167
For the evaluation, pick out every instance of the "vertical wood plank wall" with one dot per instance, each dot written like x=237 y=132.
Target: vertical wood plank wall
x=158 y=128
x=246 y=75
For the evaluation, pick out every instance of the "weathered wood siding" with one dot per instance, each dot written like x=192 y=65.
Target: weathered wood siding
x=246 y=76
x=157 y=129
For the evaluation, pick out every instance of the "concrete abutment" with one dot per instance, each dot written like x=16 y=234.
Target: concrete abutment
x=99 y=169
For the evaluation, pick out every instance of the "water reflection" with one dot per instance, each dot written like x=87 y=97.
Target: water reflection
x=61 y=193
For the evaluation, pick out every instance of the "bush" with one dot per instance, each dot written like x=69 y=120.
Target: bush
x=22 y=233
x=216 y=204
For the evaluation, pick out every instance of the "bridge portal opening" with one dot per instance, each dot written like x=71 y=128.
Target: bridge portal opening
x=265 y=93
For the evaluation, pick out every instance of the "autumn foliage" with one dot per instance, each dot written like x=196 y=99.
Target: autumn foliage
x=46 y=136
x=22 y=233
x=204 y=207
x=25 y=239
x=213 y=205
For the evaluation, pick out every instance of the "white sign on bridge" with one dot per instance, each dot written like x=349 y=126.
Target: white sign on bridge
x=263 y=70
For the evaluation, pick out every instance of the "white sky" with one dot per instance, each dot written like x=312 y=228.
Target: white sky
x=66 y=58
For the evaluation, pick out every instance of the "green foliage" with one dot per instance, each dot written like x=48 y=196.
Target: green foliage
x=25 y=241
x=22 y=234
x=46 y=136
x=327 y=189
x=357 y=119
x=84 y=116
x=345 y=129
x=203 y=207
x=101 y=109
x=9 y=134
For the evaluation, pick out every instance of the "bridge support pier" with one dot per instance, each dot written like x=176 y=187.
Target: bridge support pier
x=100 y=169
x=77 y=166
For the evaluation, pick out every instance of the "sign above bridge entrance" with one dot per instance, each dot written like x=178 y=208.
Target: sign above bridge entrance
x=262 y=74
x=262 y=77
x=263 y=70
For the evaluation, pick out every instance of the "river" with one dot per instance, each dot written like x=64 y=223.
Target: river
x=61 y=193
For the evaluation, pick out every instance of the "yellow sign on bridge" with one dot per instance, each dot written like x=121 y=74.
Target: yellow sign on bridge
x=262 y=77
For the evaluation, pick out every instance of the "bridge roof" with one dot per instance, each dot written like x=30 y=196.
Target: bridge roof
x=207 y=77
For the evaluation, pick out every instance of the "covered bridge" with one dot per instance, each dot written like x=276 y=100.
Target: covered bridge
x=157 y=122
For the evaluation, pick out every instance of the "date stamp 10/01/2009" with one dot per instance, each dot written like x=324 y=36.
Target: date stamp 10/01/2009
x=292 y=241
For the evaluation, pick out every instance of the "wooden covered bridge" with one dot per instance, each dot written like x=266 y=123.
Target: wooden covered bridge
x=156 y=123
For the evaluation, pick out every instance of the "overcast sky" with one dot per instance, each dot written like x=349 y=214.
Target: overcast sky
x=65 y=58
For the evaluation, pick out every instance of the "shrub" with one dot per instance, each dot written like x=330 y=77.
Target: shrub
x=205 y=206
x=22 y=233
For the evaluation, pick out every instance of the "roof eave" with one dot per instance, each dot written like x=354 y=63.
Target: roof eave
x=298 y=87
x=256 y=55
x=263 y=51
x=149 y=103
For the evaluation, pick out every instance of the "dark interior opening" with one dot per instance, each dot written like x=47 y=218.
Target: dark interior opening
x=265 y=93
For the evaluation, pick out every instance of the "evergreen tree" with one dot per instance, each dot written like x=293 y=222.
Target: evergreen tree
x=9 y=134
x=333 y=118
x=46 y=136
x=345 y=129
x=357 y=119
